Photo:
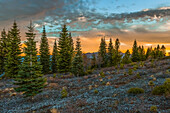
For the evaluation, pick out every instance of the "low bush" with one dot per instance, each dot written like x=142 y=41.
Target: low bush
x=102 y=74
x=96 y=91
x=64 y=93
x=121 y=66
x=162 y=89
x=130 y=72
x=138 y=76
x=153 y=108
x=135 y=90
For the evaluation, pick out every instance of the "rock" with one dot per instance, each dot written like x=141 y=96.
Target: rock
x=159 y=74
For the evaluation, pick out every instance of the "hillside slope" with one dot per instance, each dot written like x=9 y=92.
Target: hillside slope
x=94 y=93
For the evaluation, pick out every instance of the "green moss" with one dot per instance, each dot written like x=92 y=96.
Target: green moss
x=54 y=75
x=135 y=90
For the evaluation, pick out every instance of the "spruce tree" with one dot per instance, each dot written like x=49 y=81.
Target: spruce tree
x=148 y=53
x=163 y=49
x=3 y=51
x=55 y=58
x=71 y=49
x=77 y=64
x=126 y=59
x=117 y=56
x=102 y=52
x=110 y=53
x=141 y=53
x=13 y=58
x=44 y=53
x=93 y=61
x=135 y=53
x=29 y=80
x=64 y=51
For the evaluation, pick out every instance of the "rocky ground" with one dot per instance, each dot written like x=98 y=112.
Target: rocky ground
x=94 y=93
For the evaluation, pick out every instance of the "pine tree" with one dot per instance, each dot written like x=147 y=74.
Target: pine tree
x=55 y=58
x=163 y=49
x=93 y=61
x=29 y=79
x=117 y=56
x=3 y=46
x=135 y=54
x=148 y=53
x=64 y=51
x=71 y=49
x=126 y=59
x=141 y=53
x=77 y=64
x=102 y=52
x=13 y=58
x=44 y=53
x=110 y=53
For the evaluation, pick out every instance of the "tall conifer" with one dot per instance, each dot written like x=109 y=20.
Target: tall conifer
x=29 y=79
x=110 y=53
x=64 y=51
x=77 y=64
x=13 y=58
x=135 y=53
x=55 y=58
x=102 y=52
x=44 y=53
x=3 y=51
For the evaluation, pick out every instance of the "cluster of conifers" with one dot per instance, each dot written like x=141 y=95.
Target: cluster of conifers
x=28 y=72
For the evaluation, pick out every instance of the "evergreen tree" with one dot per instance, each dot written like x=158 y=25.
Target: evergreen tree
x=148 y=53
x=102 y=52
x=77 y=64
x=110 y=53
x=29 y=79
x=44 y=53
x=141 y=53
x=64 y=51
x=135 y=54
x=71 y=44
x=55 y=58
x=126 y=59
x=13 y=58
x=117 y=56
x=71 y=49
x=163 y=49
x=3 y=46
x=93 y=61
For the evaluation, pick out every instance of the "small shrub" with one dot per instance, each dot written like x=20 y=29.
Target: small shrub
x=153 y=108
x=151 y=83
x=138 y=76
x=159 y=90
x=64 y=93
x=102 y=74
x=121 y=66
x=135 y=67
x=130 y=72
x=103 y=83
x=125 y=73
x=135 y=91
x=162 y=89
x=96 y=91
x=54 y=75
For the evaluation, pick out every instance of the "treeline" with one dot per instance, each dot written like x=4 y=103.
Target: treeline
x=28 y=71
x=112 y=56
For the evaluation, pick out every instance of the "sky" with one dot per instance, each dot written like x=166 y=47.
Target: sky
x=147 y=21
